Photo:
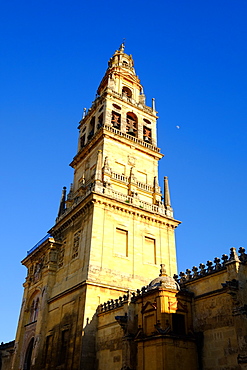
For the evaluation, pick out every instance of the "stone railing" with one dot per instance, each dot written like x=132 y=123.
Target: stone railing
x=125 y=179
x=119 y=177
x=211 y=267
x=130 y=137
x=144 y=186
x=134 y=201
x=160 y=209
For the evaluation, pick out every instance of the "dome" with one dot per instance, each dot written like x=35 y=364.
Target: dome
x=163 y=281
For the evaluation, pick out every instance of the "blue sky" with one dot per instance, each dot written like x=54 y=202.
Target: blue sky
x=190 y=55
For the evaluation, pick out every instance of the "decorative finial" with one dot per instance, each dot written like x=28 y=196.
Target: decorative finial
x=122 y=46
x=62 y=202
x=153 y=104
x=162 y=270
x=234 y=255
x=167 y=200
x=84 y=112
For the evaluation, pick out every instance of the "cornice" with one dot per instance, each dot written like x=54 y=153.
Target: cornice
x=98 y=198
x=134 y=210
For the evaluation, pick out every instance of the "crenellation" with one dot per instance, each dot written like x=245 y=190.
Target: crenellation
x=212 y=267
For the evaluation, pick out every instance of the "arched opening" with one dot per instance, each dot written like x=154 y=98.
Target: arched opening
x=126 y=92
x=34 y=304
x=91 y=128
x=131 y=125
x=116 y=120
x=100 y=121
x=28 y=356
x=147 y=134
x=36 y=309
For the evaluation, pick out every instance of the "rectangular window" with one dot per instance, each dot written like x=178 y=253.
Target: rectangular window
x=149 y=250
x=121 y=242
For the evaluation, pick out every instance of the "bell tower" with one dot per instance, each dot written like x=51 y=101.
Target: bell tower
x=116 y=172
x=113 y=230
x=125 y=230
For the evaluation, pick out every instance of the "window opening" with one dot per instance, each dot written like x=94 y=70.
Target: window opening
x=34 y=310
x=116 y=120
x=116 y=106
x=178 y=323
x=131 y=127
x=100 y=121
x=91 y=128
x=126 y=92
x=76 y=244
x=147 y=136
x=82 y=141
x=146 y=121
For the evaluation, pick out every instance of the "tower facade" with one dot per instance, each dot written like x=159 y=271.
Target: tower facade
x=112 y=232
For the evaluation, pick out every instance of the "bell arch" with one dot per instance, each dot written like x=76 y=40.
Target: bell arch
x=131 y=124
x=127 y=92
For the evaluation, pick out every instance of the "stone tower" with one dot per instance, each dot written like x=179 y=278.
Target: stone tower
x=112 y=231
